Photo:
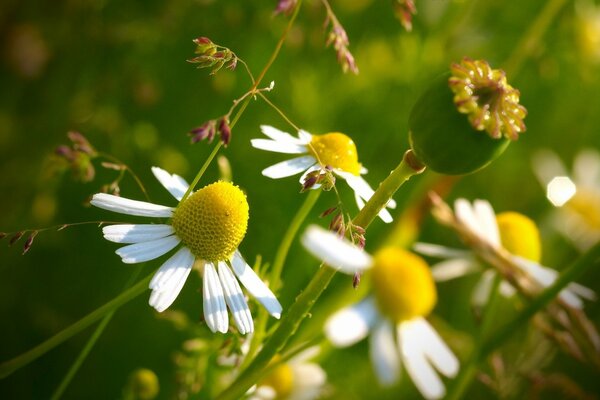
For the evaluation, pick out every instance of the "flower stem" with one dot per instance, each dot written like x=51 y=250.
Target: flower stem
x=202 y=170
x=588 y=261
x=90 y=343
x=299 y=310
x=10 y=366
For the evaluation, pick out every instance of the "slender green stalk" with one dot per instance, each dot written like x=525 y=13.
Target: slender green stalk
x=10 y=366
x=588 y=261
x=91 y=342
x=202 y=170
x=299 y=310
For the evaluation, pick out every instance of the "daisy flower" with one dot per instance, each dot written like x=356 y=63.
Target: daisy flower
x=208 y=226
x=295 y=379
x=575 y=195
x=512 y=232
x=404 y=294
x=334 y=150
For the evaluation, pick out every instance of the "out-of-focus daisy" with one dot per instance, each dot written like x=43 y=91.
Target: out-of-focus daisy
x=404 y=294
x=296 y=379
x=209 y=224
x=510 y=231
x=575 y=195
x=334 y=150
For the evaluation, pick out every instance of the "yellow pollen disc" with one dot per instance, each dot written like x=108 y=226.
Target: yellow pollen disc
x=281 y=379
x=519 y=235
x=336 y=150
x=212 y=222
x=403 y=284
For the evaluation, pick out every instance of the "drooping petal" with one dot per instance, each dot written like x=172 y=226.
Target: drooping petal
x=483 y=287
x=315 y=167
x=361 y=187
x=351 y=324
x=289 y=167
x=146 y=251
x=384 y=353
x=436 y=350
x=279 y=147
x=280 y=136
x=215 y=311
x=170 y=278
x=130 y=207
x=255 y=285
x=235 y=300
x=175 y=184
x=418 y=367
x=434 y=250
x=335 y=251
x=136 y=233
x=453 y=268
x=487 y=221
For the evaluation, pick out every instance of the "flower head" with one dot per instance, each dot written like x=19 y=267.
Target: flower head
x=404 y=294
x=210 y=224
x=332 y=152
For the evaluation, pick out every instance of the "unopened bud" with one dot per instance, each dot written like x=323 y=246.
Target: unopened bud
x=224 y=131
x=29 y=242
x=15 y=238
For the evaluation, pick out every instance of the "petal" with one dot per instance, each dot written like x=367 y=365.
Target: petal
x=483 y=287
x=487 y=221
x=289 y=167
x=170 y=278
x=279 y=136
x=586 y=168
x=175 y=184
x=130 y=233
x=434 y=250
x=304 y=136
x=384 y=353
x=215 y=311
x=418 y=367
x=351 y=324
x=436 y=350
x=279 y=147
x=172 y=269
x=308 y=381
x=235 y=300
x=146 y=251
x=335 y=251
x=465 y=214
x=130 y=207
x=453 y=268
x=255 y=285
x=363 y=191
x=315 y=167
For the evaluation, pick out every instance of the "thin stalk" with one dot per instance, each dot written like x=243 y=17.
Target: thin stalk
x=10 y=366
x=202 y=170
x=90 y=343
x=299 y=310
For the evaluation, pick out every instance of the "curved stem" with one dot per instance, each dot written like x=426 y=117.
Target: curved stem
x=10 y=366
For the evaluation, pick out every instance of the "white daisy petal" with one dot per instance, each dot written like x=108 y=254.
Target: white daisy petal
x=335 y=251
x=586 y=168
x=465 y=214
x=308 y=381
x=437 y=351
x=487 y=221
x=483 y=287
x=304 y=136
x=351 y=324
x=279 y=136
x=136 y=233
x=434 y=250
x=362 y=187
x=582 y=291
x=175 y=184
x=235 y=300
x=315 y=167
x=289 y=167
x=255 y=285
x=130 y=207
x=172 y=269
x=385 y=216
x=278 y=147
x=418 y=367
x=146 y=251
x=384 y=353
x=453 y=268
x=215 y=311
x=160 y=300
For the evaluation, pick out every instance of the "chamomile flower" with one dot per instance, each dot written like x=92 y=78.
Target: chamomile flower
x=575 y=195
x=207 y=226
x=404 y=294
x=511 y=231
x=334 y=150
x=295 y=379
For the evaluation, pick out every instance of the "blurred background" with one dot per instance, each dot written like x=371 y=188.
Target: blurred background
x=117 y=72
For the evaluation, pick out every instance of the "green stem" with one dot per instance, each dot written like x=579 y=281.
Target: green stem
x=531 y=39
x=299 y=310
x=588 y=261
x=90 y=343
x=8 y=367
x=202 y=170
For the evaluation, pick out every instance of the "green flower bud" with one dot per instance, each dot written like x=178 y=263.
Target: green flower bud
x=466 y=119
x=142 y=385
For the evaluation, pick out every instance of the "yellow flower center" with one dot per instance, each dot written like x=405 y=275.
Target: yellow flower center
x=403 y=284
x=519 y=235
x=212 y=222
x=336 y=150
x=281 y=379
